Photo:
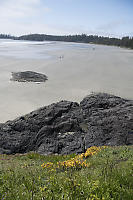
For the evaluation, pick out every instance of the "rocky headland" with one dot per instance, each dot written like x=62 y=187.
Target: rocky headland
x=68 y=127
x=28 y=76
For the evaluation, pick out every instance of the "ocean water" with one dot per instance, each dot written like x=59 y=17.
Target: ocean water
x=74 y=70
x=33 y=49
x=26 y=49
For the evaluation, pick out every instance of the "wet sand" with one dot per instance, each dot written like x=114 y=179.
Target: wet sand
x=80 y=72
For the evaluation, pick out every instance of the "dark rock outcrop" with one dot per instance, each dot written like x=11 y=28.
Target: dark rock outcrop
x=68 y=127
x=28 y=76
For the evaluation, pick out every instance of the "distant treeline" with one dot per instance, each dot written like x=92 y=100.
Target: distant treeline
x=4 y=36
x=124 y=42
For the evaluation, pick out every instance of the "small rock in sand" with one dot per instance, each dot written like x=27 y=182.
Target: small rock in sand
x=28 y=76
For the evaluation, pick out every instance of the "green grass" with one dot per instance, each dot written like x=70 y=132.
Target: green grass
x=108 y=177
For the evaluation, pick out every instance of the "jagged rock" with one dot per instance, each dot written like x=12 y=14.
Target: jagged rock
x=28 y=76
x=67 y=127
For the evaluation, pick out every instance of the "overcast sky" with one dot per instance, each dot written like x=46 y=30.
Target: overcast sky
x=101 y=17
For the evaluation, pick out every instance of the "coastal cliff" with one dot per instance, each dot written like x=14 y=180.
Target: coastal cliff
x=68 y=127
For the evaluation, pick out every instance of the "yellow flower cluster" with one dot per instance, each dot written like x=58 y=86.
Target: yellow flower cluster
x=47 y=165
x=77 y=162
x=93 y=150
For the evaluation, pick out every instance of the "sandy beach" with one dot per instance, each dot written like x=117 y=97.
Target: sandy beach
x=81 y=70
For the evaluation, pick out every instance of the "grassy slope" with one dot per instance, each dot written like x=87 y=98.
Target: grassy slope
x=108 y=176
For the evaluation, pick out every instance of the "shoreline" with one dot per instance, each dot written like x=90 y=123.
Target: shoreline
x=81 y=71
